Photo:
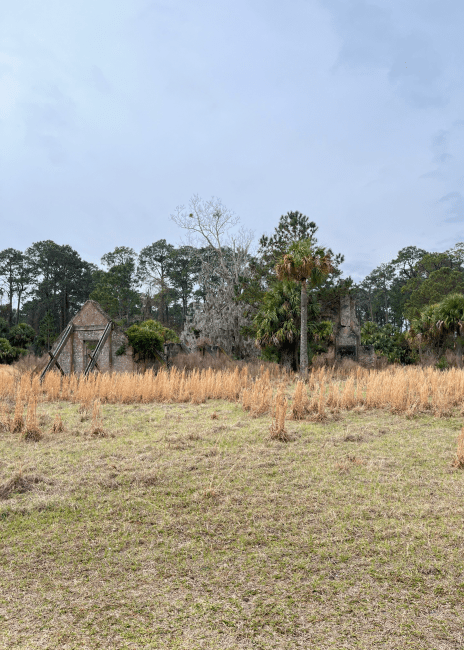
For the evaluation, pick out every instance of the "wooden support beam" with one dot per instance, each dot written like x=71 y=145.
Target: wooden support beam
x=93 y=359
x=56 y=363
x=58 y=350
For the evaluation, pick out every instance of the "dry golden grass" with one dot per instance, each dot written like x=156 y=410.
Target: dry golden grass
x=410 y=391
x=300 y=403
x=277 y=428
x=18 y=420
x=31 y=428
x=57 y=426
x=96 y=427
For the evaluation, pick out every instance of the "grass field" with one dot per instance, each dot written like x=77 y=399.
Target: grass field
x=184 y=526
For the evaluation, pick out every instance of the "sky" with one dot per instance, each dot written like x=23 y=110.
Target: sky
x=113 y=113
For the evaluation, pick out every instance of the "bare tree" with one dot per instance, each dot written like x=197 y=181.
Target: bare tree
x=210 y=225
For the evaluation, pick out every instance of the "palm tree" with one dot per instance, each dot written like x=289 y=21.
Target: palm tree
x=423 y=330
x=277 y=321
x=301 y=263
x=450 y=314
x=441 y=320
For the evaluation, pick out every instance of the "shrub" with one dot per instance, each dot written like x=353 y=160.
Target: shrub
x=8 y=353
x=4 y=327
x=442 y=364
x=389 y=342
x=21 y=335
x=148 y=337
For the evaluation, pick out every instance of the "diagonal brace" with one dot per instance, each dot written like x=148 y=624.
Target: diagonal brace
x=59 y=349
x=93 y=359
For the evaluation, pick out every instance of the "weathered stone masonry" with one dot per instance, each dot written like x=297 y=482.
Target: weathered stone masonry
x=348 y=335
x=88 y=326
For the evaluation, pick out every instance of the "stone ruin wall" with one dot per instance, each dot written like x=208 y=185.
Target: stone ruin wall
x=348 y=335
x=89 y=325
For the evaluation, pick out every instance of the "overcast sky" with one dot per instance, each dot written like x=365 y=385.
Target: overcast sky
x=114 y=112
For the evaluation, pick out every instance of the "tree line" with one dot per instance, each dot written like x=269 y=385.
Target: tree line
x=213 y=286
x=280 y=298
x=45 y=285
x=397 y=292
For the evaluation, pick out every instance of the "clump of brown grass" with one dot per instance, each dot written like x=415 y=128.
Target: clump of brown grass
x=459 y=460
x=258 y=397
x=17 y=483
x=344 y=466
x=317 y=404
x=214 y=416
x=21 y=483
x=57 y=425
x=277 y=428
x=18 y=421
x=300 y=402
x=5 y=417
x=31 y=429
x=96 y=426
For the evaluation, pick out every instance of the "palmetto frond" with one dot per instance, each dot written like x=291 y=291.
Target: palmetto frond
x=450 y=313
x=303 y=262
x=277 y=320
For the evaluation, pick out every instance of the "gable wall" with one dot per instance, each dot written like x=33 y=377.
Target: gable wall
x=89 y=325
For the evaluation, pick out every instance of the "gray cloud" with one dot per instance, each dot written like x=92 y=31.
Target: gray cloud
x=443 y=158
x=433 y=174
x=115 y=112
x=48 y=120
x=416 y=70
x=454 y=204
x=372 y=38
x=447 y=163
x=367 y=34
x=99 y=80
x=440 y=141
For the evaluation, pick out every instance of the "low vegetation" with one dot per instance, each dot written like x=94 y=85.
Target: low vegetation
x=409 y=390
x=232 y=509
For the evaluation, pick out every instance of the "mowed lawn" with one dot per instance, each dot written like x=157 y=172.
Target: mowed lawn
x=186 y=527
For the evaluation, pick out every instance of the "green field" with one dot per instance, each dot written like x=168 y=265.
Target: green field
x=181 y=530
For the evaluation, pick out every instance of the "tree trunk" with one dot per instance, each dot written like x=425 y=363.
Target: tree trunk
x=10 y=312
x=459 y=351
x=370 y=308
x=19 y=304
x=386 y=308
x=304 y=330
x=184 y=306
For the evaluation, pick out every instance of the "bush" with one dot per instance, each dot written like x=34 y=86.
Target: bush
x=442 y=364
x=148 y=337
x=4 y=327
x=8 y=353
x=389 y=342
x=21 y=335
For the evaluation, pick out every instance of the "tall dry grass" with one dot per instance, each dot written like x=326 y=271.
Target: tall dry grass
x=277 y=429
x=409 y=390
